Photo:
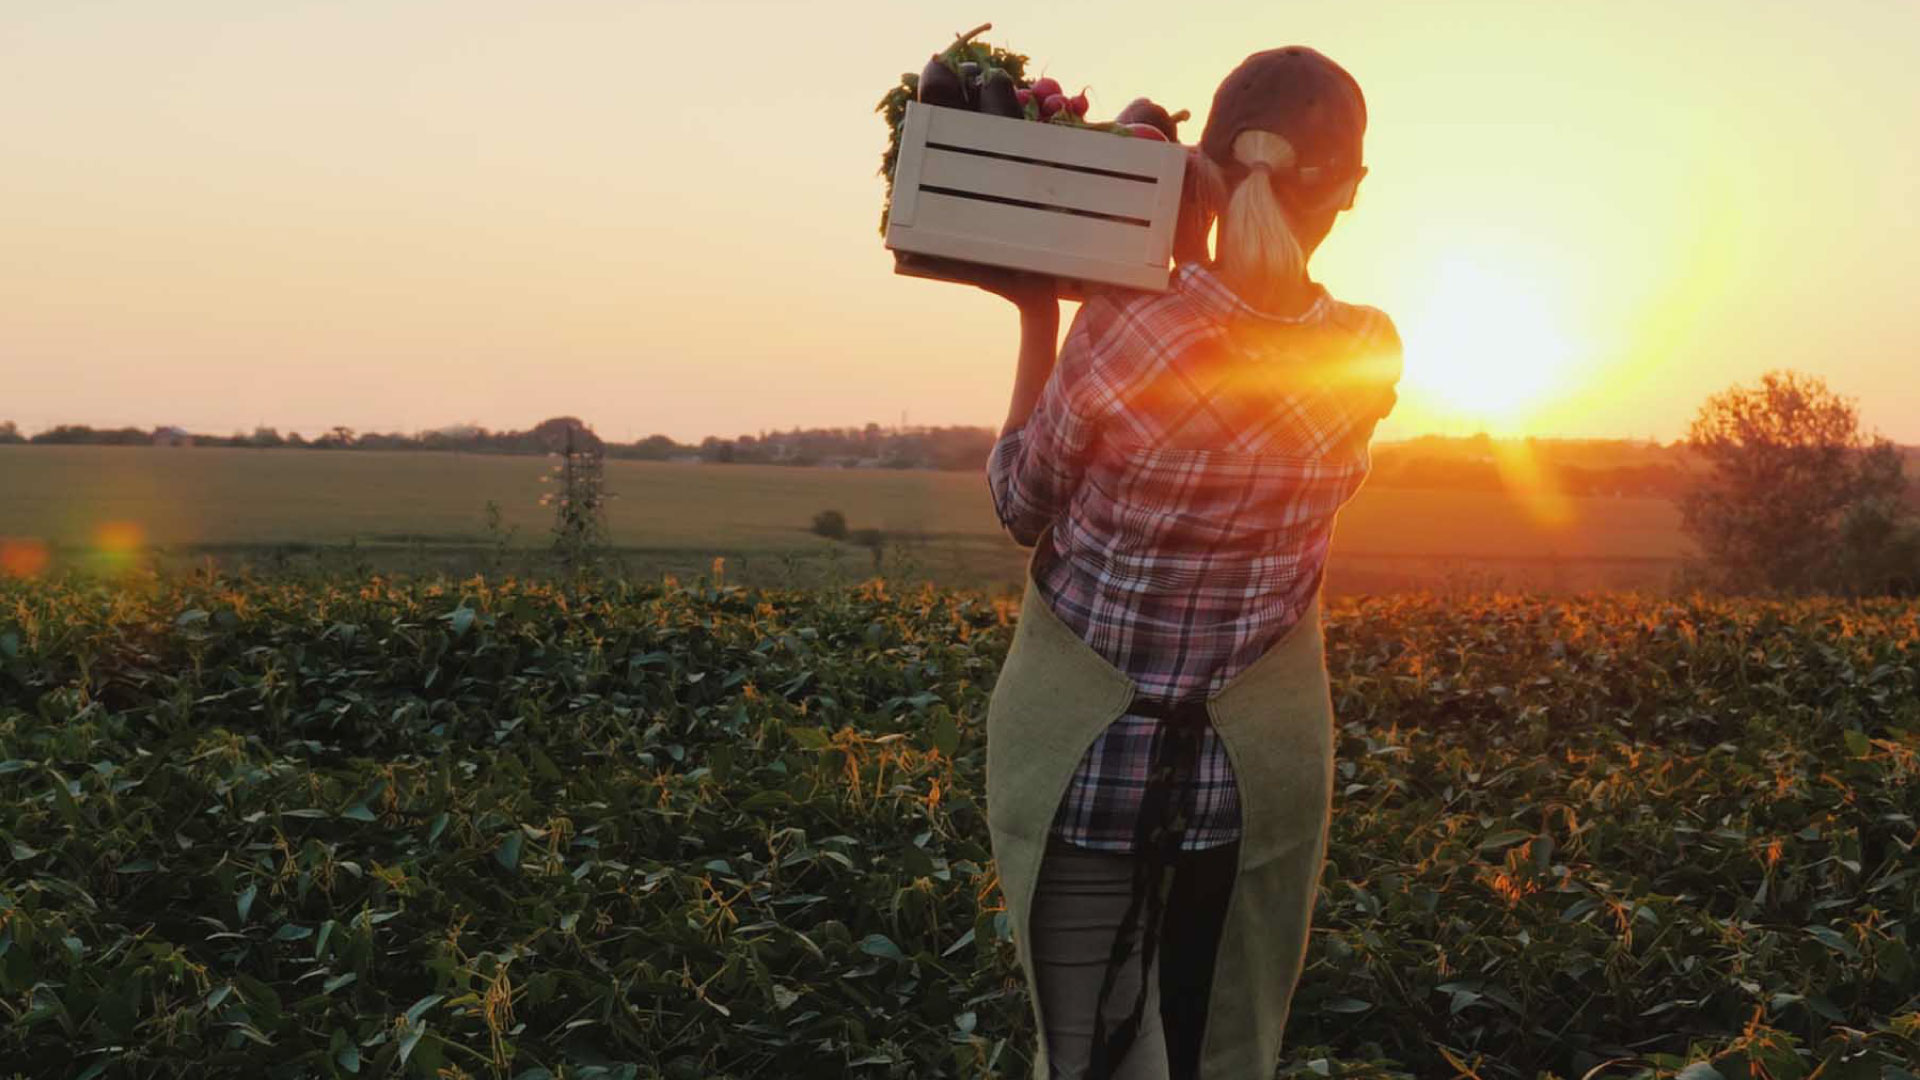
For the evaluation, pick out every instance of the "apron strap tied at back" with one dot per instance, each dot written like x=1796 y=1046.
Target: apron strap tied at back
x=1161 y=825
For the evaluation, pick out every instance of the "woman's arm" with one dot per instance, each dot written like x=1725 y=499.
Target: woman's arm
x=1039 y=333
x=1043 y=448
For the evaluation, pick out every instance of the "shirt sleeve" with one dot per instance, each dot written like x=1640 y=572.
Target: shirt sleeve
x=1368 y=390
x=1035 y=468
x=1382 y=361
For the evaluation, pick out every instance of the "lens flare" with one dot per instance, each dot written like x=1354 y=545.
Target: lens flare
x=1539 y=492
x=23 y=558
x=117 y=545
x=119 y=537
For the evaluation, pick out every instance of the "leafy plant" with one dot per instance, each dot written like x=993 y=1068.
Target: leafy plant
x=594 y=829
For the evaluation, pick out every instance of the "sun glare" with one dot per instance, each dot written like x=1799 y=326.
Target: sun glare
x=1486 y=346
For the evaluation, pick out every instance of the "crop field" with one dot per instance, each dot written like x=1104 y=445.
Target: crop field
x=359 y=511
x=272 y=828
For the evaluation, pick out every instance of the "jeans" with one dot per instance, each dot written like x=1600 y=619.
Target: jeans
x=1078 y=902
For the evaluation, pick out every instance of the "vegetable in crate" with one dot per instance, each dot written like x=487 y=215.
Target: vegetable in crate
x=999 y=97
x=970 y=82
x=970 y=74
x=948 y=85
x=940 y=86
x=1143 y=111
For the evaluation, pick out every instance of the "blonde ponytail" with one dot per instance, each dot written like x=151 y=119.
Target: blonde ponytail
x=1257 y=250
x=1201 y=199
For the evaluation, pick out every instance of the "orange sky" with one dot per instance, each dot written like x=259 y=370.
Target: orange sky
x=661 y=217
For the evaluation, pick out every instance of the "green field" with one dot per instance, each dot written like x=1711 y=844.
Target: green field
x=526 y=831
x=403 y=510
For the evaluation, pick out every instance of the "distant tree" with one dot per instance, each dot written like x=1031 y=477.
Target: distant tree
x=654 y=448
x=338 y=437
x=556 y=434
x=82 y=435
x=1792 y=489
x=1879 y=544
x=266 y=437
x=831 y=524
x=65 y=435
x=9 y=433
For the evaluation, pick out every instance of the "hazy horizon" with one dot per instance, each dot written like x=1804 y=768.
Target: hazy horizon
x=661 y=218
x=768 y=432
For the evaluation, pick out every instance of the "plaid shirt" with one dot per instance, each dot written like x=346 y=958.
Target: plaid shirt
x=1190 y=453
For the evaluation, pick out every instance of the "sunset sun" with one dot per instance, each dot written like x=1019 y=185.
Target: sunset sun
x=1487 y=343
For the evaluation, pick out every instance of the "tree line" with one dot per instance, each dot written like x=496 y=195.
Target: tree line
x=954 y=448
x=1451 y=464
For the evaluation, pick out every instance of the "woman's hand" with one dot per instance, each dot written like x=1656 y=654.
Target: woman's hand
x=1039 y=333
x=1026 y=290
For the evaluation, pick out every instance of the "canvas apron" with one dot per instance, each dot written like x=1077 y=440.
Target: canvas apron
x=1055 y=696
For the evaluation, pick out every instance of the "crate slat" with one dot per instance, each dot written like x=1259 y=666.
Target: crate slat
x=1089 y=238
x=1084 y=206
x=1048 y=142
x=1069 y=268
x=1039 y=183
x=1166 y=208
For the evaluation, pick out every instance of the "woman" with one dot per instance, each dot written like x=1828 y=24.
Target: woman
x=1177 y=473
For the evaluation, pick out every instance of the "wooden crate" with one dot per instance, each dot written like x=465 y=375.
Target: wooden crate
x=1084 y=206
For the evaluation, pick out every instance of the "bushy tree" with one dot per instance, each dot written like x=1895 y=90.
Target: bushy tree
x=9 y=433
x=1795 y=498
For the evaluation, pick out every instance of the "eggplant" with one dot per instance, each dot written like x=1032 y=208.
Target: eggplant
x=997 y=97
x=970 y=82
x=940 y=86
x=1144 y=111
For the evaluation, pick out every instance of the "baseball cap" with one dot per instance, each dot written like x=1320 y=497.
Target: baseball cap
x=1296 y=93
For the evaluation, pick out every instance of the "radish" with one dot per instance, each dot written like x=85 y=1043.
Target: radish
x=1023 y=95
x=1146 y=131
x=1053 y=104
x=1045 y=87
x=1077 y=104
